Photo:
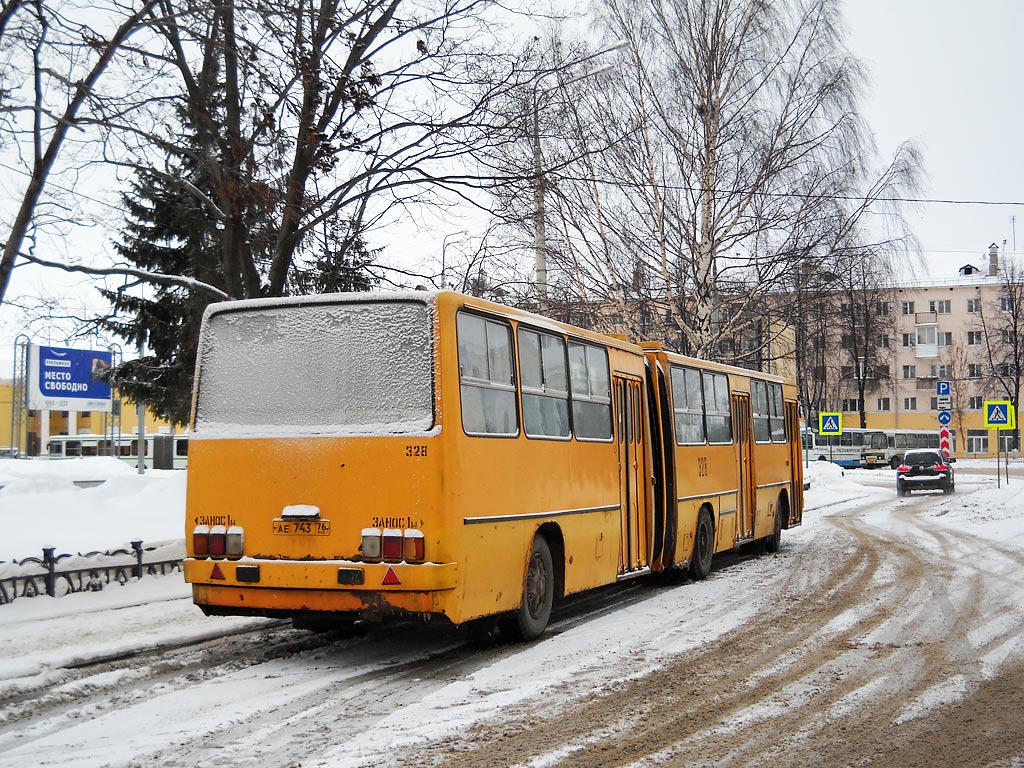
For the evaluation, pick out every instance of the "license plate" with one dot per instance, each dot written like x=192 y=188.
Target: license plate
x=302 y=527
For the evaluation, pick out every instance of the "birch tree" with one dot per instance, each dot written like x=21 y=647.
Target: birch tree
x=724 y=150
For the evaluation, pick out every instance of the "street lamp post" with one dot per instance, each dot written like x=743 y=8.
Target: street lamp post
x=540 y=241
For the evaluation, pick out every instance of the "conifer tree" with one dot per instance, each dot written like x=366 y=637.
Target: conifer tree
x=168 y=231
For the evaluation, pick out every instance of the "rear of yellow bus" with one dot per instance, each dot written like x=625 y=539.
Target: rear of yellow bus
x=314 y=463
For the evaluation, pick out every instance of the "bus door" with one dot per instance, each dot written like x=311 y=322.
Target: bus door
x=745 y=501
x=796 y=493
x=632 y=444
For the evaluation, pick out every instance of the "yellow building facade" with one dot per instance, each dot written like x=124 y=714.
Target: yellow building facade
x=41 y=425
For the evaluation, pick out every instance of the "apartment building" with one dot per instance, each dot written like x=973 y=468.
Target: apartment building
x=967 y=330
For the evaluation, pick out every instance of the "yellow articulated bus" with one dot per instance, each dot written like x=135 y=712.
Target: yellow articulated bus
x=430 y=454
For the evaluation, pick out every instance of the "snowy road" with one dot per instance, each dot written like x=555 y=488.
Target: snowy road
x=886 y=631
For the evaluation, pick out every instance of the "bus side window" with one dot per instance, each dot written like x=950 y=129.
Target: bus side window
x=544 y=379
x=759 y=408
x=688 y=405
x=777 y=413
x=590 y=384
x=485 y=371
x=716 y=403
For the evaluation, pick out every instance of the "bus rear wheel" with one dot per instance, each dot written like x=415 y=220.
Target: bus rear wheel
x=703 y=546
x=530 y=621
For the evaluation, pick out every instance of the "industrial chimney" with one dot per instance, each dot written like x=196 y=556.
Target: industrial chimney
x=993 y=260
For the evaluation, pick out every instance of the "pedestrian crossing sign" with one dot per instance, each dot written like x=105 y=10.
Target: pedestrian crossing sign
x=1000 y=414
x=830 y=423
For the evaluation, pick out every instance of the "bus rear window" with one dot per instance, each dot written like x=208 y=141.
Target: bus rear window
x=361 y=367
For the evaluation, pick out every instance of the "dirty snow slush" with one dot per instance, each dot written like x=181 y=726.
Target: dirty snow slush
x=885 y=631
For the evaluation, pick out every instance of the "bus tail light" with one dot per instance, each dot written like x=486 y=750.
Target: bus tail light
x=414 y=541
x=392 y=544
x=218 y=541
x=201 y=541
x=235 y=541
x=370 y=546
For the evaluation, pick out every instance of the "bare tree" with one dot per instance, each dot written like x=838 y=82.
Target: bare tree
x=724 y=152
x=865 y=317
x=278 y=116
x=1002 y=324
x=52 y=62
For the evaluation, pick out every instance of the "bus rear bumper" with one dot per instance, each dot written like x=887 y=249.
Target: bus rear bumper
x=281 y=586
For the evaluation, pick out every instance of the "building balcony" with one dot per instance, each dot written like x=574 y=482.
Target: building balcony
x=926 y=350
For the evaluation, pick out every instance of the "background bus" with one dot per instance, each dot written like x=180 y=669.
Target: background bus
x=434 y=455
x=125 y=447
x=852 y=449
x=899 y=441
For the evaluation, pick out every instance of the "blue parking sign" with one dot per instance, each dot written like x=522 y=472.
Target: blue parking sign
x=943 y=388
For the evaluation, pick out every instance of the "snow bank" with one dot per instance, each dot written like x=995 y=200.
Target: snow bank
x=41 y=507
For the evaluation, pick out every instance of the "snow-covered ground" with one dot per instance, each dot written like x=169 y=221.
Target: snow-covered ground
x=40 y=637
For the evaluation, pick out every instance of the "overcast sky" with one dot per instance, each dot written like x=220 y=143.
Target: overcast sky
x=943 y=72
x=947 y=73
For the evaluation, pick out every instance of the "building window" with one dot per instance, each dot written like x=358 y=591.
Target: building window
x=882 y=342
x=942 y=371
x=977 y=441
x=1006 y=303
x=909 y=371
x=1006 y=336
x=846 y=342
x=974 y=338
x=907 y=307
x=976 y=403
x=974 y=370
x=881 y=308
x=851 y=405
x=909 y=403
x=883 y=404
x=941 y=307
x=945 y=338
x=908 y=340
x=974 y=306
x=934 y=405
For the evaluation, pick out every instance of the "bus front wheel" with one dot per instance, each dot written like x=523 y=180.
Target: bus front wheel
x=703 y=546
x=530 y=621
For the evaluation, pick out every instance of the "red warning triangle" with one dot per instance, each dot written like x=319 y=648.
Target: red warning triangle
x=216 y=572
x=391 y=577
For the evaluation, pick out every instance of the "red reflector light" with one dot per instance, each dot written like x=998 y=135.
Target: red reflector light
x=390 y=578
x=201 y=541
x=218 y=541
x=391 y=544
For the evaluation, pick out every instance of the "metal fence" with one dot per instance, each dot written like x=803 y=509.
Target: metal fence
x=59 y=575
